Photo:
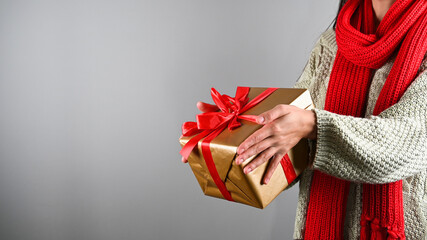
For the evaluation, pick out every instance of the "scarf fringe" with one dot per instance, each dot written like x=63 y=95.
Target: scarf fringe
x=372 y=227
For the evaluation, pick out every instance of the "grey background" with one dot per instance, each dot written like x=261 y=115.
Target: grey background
x=92 y=96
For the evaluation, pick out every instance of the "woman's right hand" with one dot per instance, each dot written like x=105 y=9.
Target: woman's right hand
x=203 y=107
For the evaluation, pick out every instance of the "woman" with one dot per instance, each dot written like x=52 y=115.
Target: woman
x=368 y=170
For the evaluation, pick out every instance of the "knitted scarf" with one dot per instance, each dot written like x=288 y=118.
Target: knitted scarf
x=362 y=48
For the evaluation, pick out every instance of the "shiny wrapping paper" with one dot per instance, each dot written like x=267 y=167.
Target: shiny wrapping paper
x=247 y=188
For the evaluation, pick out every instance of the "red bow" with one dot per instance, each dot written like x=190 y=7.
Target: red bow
x=211 y=124
x=230 y=108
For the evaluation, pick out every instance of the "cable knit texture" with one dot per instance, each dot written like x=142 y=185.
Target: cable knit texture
x=375 y=149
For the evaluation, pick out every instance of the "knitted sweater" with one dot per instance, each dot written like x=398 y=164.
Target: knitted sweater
x=375 y=149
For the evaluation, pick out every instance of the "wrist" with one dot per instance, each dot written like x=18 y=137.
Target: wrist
x=311 y=123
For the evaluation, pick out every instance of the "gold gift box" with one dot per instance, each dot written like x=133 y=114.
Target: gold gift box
x=248 y=188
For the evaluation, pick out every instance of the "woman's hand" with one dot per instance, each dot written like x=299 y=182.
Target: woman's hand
x=203 y=107
x=284 y=126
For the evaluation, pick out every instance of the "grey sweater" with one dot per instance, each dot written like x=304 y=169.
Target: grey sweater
x=375 y=149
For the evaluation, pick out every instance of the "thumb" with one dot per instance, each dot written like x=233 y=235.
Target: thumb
x=206 y=107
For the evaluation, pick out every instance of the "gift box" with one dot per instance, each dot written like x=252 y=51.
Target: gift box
x=210 y=146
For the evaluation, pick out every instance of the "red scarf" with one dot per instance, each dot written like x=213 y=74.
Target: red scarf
x=362 y=48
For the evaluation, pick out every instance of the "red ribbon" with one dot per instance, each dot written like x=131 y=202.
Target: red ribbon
x=211 y=124
x=288 y=169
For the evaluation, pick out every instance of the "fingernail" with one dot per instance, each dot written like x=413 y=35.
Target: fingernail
x=248 y=170
x=260 y=119
x=241 y=151
x=239 y=161
x=266 y=180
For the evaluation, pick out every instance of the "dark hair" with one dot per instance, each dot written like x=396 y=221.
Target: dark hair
x=339 y=9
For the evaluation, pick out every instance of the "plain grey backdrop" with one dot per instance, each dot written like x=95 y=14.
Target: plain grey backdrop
x=92 y=97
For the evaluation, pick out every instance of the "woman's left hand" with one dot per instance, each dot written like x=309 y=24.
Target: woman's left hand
x=284 y=126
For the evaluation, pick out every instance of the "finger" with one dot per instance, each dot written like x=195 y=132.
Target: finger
x=255 y=149
x=254 y=138
x=270 y=115
x=272 y=167
x=184 y=160
x=206 y=107
x=260 y=159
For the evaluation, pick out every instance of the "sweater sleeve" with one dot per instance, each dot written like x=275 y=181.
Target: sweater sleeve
x=377 y=149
